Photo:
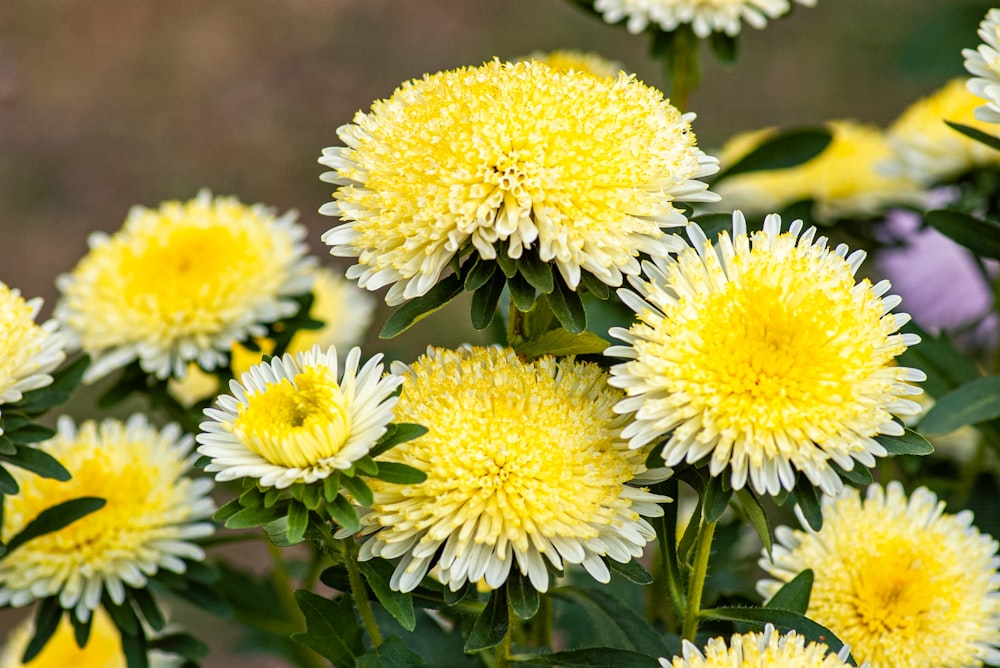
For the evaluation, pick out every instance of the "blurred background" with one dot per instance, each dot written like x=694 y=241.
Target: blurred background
x=106 y=104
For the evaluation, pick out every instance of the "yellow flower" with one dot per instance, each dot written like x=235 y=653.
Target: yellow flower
x=30 y=351
x=523 y=461
x=759 y=650
x=103 y=648
x=513 y=158
x=153 y=511
x=182 y=283
x=704 y=16
x=845 y=180
x=984 y=64
x=927 y=150
x=569 y=60
x=764 y=353
x=907 y=585
x=295 y=419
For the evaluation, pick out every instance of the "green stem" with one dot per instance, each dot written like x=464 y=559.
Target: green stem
x=684 y=71
x=360 y=592
x=696 y=585
x=542 y=623
x=503 y=649
x=286 y=595
x=515 y=325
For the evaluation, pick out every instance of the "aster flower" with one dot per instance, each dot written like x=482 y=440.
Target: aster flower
x=524 y=462
x=926 y=149
x=296 y=419
x=30 y=351
x=845 y=180
x=182 y=283
x=763 y=353
x=512 y=158
x=906 y=584
x=570 y=60
x=760 y=650
x=152 y=512
x=704 y=16
x=103 y=648
x=984 y=64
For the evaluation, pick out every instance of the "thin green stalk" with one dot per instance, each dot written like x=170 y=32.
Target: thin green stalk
x=285 y=592
x=542 y=623
x=515 y=325
x=696 y=585
x=684 y=70
x=360 y=592
x=503 y=649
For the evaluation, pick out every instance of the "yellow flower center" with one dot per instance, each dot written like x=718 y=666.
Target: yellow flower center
x=513 y=451
x=296 y=423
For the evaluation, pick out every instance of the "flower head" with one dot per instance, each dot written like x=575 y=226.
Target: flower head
x=30 y=351
x=845 y=180
x=759 y=650
x=764 y=353
x=182 y=283
x=296 y=419
x=103 y=648
x=984 y=64
x=907 y=585
x=928 y=150
x=510 y=158
x=569 y=60
x=524 y=461
x=704 y=16
x=152 y=511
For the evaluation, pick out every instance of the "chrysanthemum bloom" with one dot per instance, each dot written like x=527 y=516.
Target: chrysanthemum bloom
x=103 y=648
x=906 y=585
x=760 y=650
x=295 y=419
x=765 y=354
x=705 y=16
x=152 y=512
x=346 y=312
x=845 y=180
x=30 y=351
x=579 y=169
x=930 y=152
x=182 y=283
x=569 y=60
x=984 y=64
x=524 y=462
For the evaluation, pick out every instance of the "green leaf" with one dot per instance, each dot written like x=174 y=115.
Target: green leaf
x=508 y=265
x=46 y=622
x=135 y=649
x=594 y=285
x=971 y=403
x=717 y=495
x=228 y=510
x=537 y=273
x=357 y=488
x=55 y=518
x=396 y=434
x=491 y=625
x=523 y=596
x=64 y=381
x=615 y=623
x=910 y=443
x=567 y=306
x=783 y=620
x=393 y=653
x=794 y=594
x=415 y=310
x=808 y=502
x=485 y=300
x=631 y=571
x=592 y=657
x=784 y=149
x=249 y=518
x=8 y=485
x=725 y=47
x=81 y=630
x=38 y=462
x=521 y=293
x=331 y=486
x=343 y=513
x=978 y=135
x=559 y=342
x=480 y=272
x=298 y=522
x=859 y=474
x=982 y=237
x=378 y=572
x=332 y=629
x=144 y=600
x=750 y=505
x=30 y=433
x=181 y=644
x=401 y=474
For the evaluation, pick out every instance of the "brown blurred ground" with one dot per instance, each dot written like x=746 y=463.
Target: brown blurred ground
x=105 y=104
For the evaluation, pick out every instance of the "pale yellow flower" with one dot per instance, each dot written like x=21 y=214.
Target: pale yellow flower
x=569 y=60
x=904 y=583
x=763 y=353
x=759 y=650
x=517 y=158
x=103 y=648
x=984 y=64
x=704 y=16
x=524 y=462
